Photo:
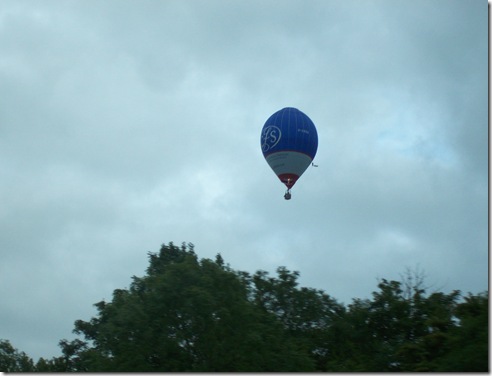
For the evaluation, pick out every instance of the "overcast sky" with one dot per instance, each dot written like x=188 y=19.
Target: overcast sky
x=128 y=124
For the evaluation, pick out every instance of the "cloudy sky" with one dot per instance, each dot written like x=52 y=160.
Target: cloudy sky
x=128 y=124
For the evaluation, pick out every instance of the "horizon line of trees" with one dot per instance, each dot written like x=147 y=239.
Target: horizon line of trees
x=188 y=314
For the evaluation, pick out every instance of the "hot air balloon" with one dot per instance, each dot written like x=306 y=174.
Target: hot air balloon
x=289 y=142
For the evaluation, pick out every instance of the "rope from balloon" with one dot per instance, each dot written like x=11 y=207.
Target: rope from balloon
x=287 y=194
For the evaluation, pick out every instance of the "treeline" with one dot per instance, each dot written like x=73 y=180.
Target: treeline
x=187 y=314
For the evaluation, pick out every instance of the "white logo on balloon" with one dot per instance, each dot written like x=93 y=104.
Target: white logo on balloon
x=270 y=137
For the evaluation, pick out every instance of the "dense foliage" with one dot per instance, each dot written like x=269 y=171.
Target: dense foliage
x=188 y=314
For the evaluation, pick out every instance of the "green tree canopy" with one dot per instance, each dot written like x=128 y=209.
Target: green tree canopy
x=190 y=314
x=187 y=315
x=13 y=360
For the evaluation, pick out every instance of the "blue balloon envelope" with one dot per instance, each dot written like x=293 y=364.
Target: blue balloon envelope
x=289 y=142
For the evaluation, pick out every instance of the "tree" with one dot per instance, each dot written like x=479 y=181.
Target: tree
x=351 y=342
x=186 y=315
x=399 y=331
x=305 y=313
x=13 y=360
x=468 y=349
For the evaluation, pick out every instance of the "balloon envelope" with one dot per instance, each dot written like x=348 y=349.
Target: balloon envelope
x=289 y=142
